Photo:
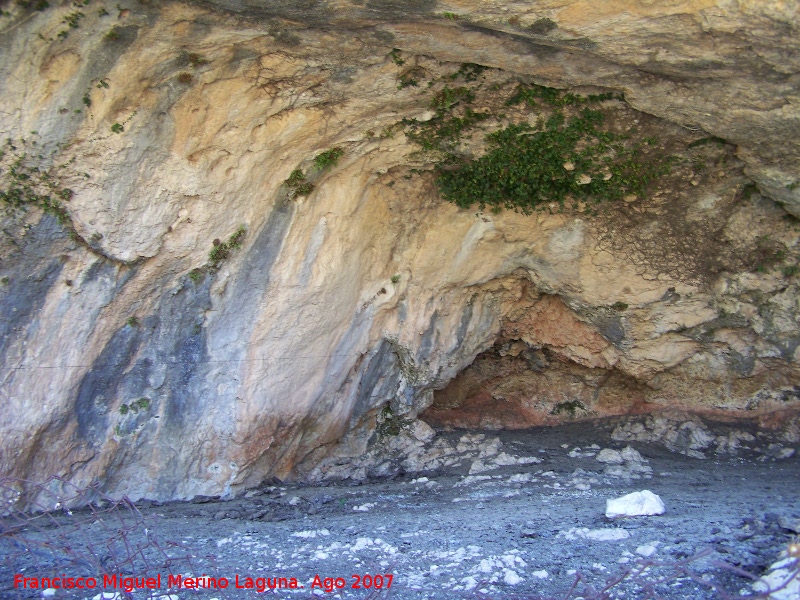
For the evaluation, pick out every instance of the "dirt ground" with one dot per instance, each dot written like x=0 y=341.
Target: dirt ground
x=511 y=514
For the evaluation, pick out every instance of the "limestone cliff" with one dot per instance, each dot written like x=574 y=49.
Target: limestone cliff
x=219 y=301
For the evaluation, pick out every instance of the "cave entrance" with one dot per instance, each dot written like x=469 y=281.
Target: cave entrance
x=514 y=385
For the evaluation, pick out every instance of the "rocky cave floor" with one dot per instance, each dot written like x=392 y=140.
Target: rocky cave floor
x=481 y=527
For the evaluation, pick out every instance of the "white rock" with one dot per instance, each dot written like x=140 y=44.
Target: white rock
x=511 y=578
x=631 y=455
x=422 y=431
x=637 y=504
x=790 y=523
x=607 y=535
x=780 y=573
x=647 y=550
x=609 y=456
x=541 y=574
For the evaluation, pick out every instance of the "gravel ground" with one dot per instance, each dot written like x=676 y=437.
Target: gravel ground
x=507 y=515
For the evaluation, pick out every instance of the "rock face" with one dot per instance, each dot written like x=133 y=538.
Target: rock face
x=196 y=323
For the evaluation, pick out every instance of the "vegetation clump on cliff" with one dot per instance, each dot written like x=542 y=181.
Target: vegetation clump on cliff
x=26 y=180
x=568 y=154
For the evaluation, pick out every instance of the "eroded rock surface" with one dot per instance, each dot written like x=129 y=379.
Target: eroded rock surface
x=134 y=357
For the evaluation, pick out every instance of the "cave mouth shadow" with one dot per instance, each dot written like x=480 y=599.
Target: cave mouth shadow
x=514 y=385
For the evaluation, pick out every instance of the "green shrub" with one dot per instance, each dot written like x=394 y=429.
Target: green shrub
x=449 y=97
x=566 y=157
x=443 y=131
x=296 y=178
x=395 y=56
x=28 y=178
x=525 y=169
x=222 y=250
x=304 y=189
x=117 y=128
x=328 y=159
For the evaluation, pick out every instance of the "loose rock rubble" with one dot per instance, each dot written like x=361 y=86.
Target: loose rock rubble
x=691 y=436
x=514 y=514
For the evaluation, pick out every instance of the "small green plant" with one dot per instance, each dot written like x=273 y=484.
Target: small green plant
x=395 y=56
x=450 y=16
x=749 y=190
x=407 y=80
x=73 y=19
x=196 y=60
x=196 y=275
x=304 y=189
x=185 y=78
x=30 y=178
x=395 y=278
x=390 y=130
x=619 y=306
x=296 y=178
x=542 y=26
x=328 y=159
x=570 y=408
x=449 y=97
x=137 y=405
x=124 y=409
x=388 y=424
x=793 y=186
x=469 y=71
x=113 y=34
x=297 y=181
x=117 y=128
x=38 y=5
x=132 y=322
x=4 y=280
x=87 y=100
x=791 y=270
x=222 y=250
